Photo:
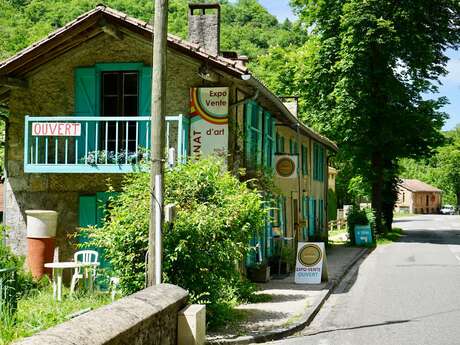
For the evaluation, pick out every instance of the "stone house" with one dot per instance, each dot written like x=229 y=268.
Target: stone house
x=415 y=196
x=79 y=106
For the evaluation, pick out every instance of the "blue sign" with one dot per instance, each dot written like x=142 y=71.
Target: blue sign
x=363 y=235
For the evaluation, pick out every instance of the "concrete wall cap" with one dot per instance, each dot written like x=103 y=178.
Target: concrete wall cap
x=104 y=325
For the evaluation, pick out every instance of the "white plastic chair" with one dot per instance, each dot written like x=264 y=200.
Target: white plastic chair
x=84 y=256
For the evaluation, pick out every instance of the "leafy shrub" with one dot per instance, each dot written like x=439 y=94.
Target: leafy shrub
x=216 y=217
x=356 y=216
x=14 y=284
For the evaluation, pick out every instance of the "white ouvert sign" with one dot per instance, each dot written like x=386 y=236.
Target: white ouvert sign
x=56 y=129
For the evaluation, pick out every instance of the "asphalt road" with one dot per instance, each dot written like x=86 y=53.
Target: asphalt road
x=403 y=293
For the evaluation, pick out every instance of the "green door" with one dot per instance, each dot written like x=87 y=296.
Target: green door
x=92 y=212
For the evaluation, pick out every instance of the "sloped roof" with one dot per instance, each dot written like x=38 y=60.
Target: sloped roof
x=88 y=25
x=418 y=186
x=32 y=52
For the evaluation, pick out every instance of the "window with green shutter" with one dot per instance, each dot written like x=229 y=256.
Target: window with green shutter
x=304 y=160
x=318 y=162
x=269 y=140
x=321 y=214
x=279 y=143
x=305 y=217
x=253 y=134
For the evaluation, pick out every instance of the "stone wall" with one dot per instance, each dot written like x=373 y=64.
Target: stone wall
x=148 y=317
x=51 y=93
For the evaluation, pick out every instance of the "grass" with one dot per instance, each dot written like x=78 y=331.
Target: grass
x=38 y=311
x=338 y=236
x=394 y=235
x=402 y=215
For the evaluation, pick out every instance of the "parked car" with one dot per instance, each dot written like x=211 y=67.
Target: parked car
x=448 y=209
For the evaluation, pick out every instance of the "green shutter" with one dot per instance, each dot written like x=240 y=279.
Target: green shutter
x=86 y=215
x=87 y=211
x=247 y=133
x=145 y=93
x=304 y=160
x=86 y=104
x=273 y=124
x=258 y=120
x=311 y=218
x=269 y=140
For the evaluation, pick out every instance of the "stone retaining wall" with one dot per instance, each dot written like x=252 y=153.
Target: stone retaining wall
x=146 y=317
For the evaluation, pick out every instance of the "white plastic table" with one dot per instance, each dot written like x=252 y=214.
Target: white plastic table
x=58 y=267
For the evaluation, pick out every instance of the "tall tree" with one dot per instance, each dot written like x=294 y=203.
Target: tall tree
x=364 y=83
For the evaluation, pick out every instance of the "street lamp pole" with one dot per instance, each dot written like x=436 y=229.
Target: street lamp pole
x=157 y=120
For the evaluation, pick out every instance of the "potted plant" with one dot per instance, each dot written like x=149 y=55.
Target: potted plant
x=360 y=224
x=287 y=259
x=259 y=272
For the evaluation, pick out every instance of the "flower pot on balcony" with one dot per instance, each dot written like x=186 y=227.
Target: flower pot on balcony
x=41 y=233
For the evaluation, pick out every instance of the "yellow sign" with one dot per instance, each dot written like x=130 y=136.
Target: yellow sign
x=285 y=166
x=310 y=255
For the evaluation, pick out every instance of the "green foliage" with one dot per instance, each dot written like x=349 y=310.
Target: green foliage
x=361 y=77
x=331 y=205
x=247 y=27
x=15 y=284
x=356 y=216
x=216 y=217
x=38 y=311
x=392 y=236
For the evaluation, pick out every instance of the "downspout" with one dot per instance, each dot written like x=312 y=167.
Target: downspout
x=299 y=196
x=6 y=120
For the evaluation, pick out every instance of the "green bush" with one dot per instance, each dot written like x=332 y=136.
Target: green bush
x=356 y=216
x=13 y=284
x=216 y=217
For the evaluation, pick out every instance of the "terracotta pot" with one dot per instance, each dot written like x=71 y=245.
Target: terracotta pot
x=41 y=232
x=40 y=251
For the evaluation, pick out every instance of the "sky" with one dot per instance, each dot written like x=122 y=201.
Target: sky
x=450 y=84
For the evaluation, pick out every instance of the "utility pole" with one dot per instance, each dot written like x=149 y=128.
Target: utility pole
x=158 y=111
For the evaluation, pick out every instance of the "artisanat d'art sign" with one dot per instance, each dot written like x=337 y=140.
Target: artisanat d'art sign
x=209 y=123
x=56 y=129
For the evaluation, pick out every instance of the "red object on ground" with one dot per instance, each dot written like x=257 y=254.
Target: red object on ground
x=41 y=251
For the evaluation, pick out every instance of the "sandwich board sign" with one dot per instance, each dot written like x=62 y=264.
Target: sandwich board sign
x=311 y=263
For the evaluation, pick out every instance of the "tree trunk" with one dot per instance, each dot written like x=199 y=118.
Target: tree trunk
x=377 y=184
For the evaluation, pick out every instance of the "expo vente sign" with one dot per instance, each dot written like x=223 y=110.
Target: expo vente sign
x=286 y=166
x=311 y=263
x=209 y=123
x=56 y=129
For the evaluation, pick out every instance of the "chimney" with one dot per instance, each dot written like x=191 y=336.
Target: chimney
x=204 y=26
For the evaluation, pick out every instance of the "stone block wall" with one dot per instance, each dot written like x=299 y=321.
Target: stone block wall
x=51 y=93
x=148 y=317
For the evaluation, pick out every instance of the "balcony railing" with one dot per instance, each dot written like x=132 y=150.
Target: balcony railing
x=96 y=144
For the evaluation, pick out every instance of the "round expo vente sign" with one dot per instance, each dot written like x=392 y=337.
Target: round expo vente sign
x=285 y=167
x=310 y=261
x=310 y=255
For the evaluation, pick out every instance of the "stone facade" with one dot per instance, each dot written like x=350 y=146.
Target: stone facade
x=51 y=93
x=148 y=317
